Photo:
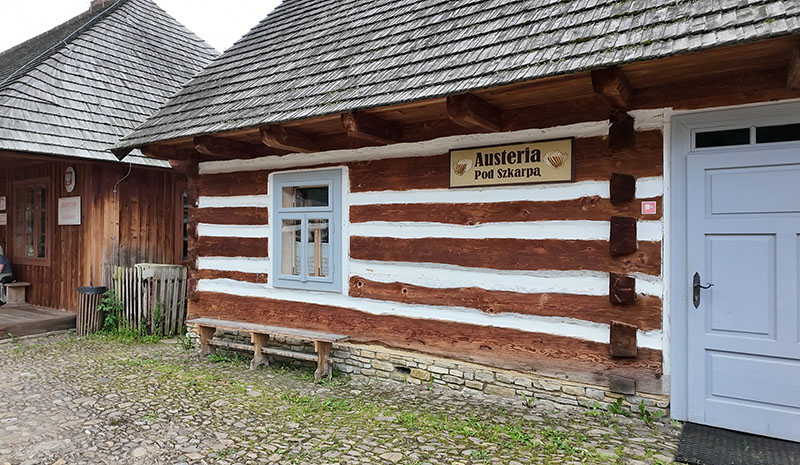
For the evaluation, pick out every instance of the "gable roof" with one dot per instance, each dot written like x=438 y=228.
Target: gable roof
x=76 y=89
x=309 y=59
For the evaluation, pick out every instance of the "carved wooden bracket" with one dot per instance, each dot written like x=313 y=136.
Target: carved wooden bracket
x=622 y=239
x=622 y=188
x=621 y=133
x=471 y=112
x=279 y=137
x=622 y=341
x=368 y=128
x=621 y=289
x=612 y=84
x=793 y=71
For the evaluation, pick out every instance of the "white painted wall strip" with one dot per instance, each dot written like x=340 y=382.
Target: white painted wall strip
x=536 y=193
x=233 y=230
x=243 y=264
x=233 y=201
x=579 y=282
x=644 y=120
x=581 y=230
x=549 y=325
x=645 y=188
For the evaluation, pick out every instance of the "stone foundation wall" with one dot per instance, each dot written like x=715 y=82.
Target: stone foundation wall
x=417 y=368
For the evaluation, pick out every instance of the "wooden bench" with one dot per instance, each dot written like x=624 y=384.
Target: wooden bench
x=15 y=292
x=259 y=335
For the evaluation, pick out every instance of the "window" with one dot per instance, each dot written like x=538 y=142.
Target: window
x=30 y=221
x=747 y=136
x=306 y=230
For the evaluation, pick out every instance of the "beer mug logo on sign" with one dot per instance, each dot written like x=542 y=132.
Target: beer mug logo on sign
x=556 y=159
x=462 y=166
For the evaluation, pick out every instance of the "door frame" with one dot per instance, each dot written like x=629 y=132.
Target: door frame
x=681 y=127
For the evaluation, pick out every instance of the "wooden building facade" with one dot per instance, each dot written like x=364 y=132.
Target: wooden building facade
x=68 y=206
x=328 y=202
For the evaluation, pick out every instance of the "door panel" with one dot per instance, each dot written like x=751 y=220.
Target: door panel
x=743 y=233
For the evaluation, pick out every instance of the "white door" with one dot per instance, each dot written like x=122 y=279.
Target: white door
x=743 y=236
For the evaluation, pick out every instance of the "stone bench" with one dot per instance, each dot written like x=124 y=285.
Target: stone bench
x=259 y=335
x=15 y=292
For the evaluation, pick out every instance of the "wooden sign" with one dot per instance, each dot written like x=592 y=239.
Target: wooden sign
x=69 y=179
x=69 y=211
x=3 y=219
x=525 y=163
x=3 y=203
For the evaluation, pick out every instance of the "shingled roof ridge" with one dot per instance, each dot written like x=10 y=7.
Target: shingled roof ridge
x=97 y=15
x=288 y=77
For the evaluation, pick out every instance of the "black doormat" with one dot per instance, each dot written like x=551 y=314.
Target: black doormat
x=704 y=445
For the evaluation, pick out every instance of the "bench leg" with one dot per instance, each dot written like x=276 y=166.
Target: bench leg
x=323 y=349
x=259 y=341
x=206 y=333
x=15 y=295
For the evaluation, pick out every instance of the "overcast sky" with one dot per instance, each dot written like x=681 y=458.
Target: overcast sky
x=219 y=22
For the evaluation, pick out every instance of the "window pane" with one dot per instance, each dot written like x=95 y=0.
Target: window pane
x=291 y=240
x=29 y=246
x=782 y=133
x=304 y=196
x=722 y=138
x=319 y=251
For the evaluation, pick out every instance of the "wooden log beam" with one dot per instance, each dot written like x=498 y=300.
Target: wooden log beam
x=621 y=289
x=469 y=111
x=279 y=137
x=622 y=341
x=622 y=188
x=621 y=133
x=219 y=147
x=167 y=152
x=612 y=84
x=793 y=71
x=370 y=129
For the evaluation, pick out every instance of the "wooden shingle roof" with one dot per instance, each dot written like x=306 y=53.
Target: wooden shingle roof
x=310 y=59
x=76 y=89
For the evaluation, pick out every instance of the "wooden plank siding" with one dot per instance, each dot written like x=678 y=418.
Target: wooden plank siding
x=140 y=223
x=402 y=214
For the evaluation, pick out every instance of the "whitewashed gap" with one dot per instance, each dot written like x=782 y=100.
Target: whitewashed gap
x=243 y=264
x=233 y=230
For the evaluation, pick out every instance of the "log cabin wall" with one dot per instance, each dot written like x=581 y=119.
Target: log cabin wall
x=147 y=198
x=472 y=274
x=3 y=193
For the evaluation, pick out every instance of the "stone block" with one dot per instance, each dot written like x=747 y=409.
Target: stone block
x=485 y=376
x=438 y=369
x=546 y=385
x=474 y=384
x=469 y=373
x=383 y=366
x=524 y=382
x=420 y=374
x=368 y=372
x=452 y=379
x=504 y=378
x=573 y=390
x=367 y=354
x=442 y=364
x=499 y=391
x=383 y=356
x=596 y=394
x=456 y=373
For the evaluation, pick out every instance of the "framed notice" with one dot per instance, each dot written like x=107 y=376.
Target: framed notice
x=2 y=204
x=525 y=163
x=69 y=211
x=3 y=219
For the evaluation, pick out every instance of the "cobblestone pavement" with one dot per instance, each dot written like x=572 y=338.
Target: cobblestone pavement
x=96 y=401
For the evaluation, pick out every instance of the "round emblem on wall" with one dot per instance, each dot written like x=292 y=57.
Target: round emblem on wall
x=69 y=179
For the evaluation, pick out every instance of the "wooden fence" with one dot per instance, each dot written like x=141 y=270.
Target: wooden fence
x=153 y=297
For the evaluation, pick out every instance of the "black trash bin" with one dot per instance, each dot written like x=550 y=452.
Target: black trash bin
x=89 y=319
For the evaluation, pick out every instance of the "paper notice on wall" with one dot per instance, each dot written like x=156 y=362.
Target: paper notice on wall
x=2 y=203
x=69 y=211
x=3 y=219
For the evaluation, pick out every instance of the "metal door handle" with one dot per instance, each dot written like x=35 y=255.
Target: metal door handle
x=696 y=286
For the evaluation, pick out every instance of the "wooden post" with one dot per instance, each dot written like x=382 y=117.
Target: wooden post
x=622 y=239
x=622 y=188
x=206 y=333
x=259 y=341
x=621 y=133
x=621 y=289
x=322 y=348
x=622 y=340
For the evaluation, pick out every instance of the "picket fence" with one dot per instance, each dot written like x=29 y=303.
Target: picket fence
x=153 y=296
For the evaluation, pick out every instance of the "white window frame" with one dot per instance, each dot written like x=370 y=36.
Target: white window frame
x=332 y=212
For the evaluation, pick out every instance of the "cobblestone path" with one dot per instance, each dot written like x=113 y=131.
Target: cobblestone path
x=96 y=401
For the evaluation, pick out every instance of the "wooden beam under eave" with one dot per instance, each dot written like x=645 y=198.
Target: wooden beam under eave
x=167 y=152
x=793 y=71
x=612 y=84
x=371 y=129
x=227 y=148
x=471 y=112
x=279 y=137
